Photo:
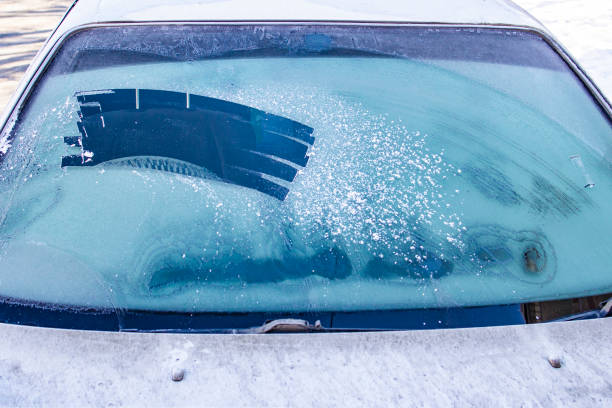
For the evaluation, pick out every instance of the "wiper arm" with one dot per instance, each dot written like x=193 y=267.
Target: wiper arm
x=606 y=307
x=285 y=326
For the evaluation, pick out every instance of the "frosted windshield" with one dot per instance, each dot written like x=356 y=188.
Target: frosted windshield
x=305 y=168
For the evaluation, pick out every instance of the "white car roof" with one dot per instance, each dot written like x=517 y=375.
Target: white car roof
x=502 y=12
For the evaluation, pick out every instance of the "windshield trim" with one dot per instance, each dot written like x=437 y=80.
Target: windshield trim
x=64 y=316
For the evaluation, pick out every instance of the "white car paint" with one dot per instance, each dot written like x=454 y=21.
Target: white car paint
x=486 y=367
x=441 y=11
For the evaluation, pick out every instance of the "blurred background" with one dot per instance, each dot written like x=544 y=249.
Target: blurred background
x=583 y=26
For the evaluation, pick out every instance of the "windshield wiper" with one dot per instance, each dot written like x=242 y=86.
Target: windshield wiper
x=606 y=306
x=271 y=326
x=298 y=326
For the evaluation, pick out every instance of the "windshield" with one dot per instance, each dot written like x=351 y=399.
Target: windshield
x=304 y=168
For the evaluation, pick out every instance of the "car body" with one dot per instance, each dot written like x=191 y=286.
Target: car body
x=460 y=362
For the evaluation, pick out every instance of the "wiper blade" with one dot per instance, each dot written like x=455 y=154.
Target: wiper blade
x=271 y=326
x=606 y=307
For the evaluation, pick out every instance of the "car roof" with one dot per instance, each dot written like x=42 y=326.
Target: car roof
x=498 y=12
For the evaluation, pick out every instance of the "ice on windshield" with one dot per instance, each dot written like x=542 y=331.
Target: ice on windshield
x=427 y=184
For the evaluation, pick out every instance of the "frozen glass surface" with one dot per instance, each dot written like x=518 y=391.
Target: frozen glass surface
x=432 y=180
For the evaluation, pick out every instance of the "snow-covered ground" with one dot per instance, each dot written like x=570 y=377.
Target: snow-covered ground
x=583 y=26
x=24 y=26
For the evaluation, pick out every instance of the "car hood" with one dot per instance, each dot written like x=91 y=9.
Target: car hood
x=478 y=366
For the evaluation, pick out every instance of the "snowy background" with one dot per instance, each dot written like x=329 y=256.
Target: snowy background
x=583 y=26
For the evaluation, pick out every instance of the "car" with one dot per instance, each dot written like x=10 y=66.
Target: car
x=228 y=203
